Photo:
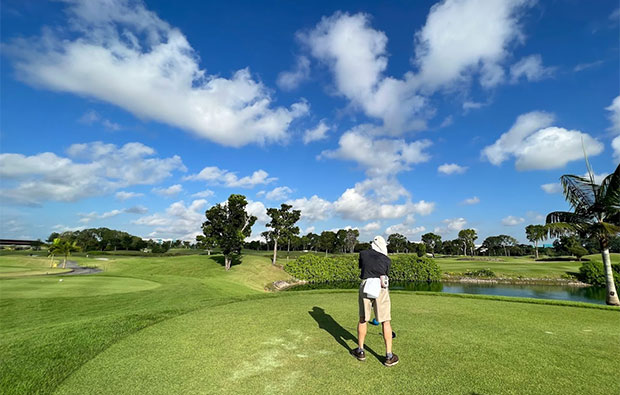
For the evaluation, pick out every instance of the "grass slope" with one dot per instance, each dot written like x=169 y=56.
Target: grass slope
x=205 y=330
x=19 y=266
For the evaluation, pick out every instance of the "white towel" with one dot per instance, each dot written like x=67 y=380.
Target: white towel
x=372 y=288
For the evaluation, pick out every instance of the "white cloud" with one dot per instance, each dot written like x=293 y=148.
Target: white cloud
x=123 y=195
x=172 y=190
x=279 y=193
x=531 y=68
x=531 y=140
x=472 y=105
x=313 y=209
x=512 y=221
x=93 y=215
x=203 y=194
x=462 y=37
x=614 y=117
x=217 y=176
x=451 y=168
x=121 y=53
x=533 y=215
x=371 y=227
x=451 y=225
x=405 y=228
x=289 y=80
x=471 y=201
x=309 y=229
x=259 y=210
x=92 y=169
x=356 y=55
x=379 y=157
x=615 y=144
x=551 y=188
x=316 y=134
x=359 y=204
x=178 y=221
x=585 y=66
x=90 y=117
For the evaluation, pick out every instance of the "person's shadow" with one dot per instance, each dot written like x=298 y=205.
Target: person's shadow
x=332 y=327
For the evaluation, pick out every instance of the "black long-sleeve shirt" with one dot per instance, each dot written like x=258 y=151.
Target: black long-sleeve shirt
x=373 y=264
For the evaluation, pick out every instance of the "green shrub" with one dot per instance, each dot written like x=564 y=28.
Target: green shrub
x=319 y=269
x=592 y=272
x=480 y=273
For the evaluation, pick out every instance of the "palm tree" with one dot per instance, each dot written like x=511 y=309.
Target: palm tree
x=536 y=233
x=596 y=213
x=63 y=247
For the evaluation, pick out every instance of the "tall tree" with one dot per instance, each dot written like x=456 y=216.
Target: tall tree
x=536 y=233
x=351 y=239
x=467 y=238
x=206 y=243
x=282 y=225
x=229 y=224
x=396 y=242
x=596 y=211
x=431 y=240
x=327 y=241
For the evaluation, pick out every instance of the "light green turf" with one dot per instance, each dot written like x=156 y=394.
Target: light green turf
x=509 y=266
x=72 y=286
x=22 y=265
x=206 y=330
x=446 y=346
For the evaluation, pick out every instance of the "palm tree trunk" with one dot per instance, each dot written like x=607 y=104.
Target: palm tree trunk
x=612 y=295
x=275 y=251
x=536 y=248
x=64 y=263
x=227 y=262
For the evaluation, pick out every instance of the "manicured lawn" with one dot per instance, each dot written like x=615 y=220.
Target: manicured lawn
x=509 y=266
x=18 y=266
x=185 y=325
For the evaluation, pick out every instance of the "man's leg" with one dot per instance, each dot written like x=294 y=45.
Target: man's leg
x=361 y=332
x=387 y=336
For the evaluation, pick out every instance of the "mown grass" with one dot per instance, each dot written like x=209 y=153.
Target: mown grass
x=25 y=265
x=205 y=330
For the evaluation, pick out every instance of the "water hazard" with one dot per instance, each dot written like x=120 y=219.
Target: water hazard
x=557 y=292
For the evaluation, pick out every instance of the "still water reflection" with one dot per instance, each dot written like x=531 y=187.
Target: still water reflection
x=558 y=292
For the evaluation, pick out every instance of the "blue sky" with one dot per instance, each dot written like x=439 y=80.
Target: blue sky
x=406 y=117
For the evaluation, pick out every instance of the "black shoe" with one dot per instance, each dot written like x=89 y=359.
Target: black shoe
x=359 y=354
x=391 y=361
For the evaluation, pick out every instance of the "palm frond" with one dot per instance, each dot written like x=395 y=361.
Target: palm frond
x=566 y=217
x=609 y=191
x=579 y=191
x=558 y=229
x=610 y=229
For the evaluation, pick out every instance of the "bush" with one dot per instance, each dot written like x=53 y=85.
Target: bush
x=480 y=273
x=592 y=272
x=319 y=269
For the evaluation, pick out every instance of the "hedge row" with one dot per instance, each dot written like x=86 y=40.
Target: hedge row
x=593 y=273
x=319 y=269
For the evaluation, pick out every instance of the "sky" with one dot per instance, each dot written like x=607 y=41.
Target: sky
x=388 y=117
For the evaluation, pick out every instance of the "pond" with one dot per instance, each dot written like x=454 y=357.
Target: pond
x=557 y=292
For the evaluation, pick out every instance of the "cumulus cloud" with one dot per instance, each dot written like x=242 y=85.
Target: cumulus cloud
x=121 y=53
x=551 y=188
x=278 y=193
x=172 y=190
x=371 y=227
x=123 y=195
x=389 y=156
x=313 y=209
x=531 y=68
x=178 y=221
x=615 y=144
x=357 y=57
x=614 y=116
x=259 y=210
x=451 y=225
x=92 y=169
x=289 y=80
x=203 y=194
x=217 y=176
x=316 y=134
x=405 y=228
x=512 y=221
x=471 y=201
x=451 y=168
x=464 y=37
x=531 y=140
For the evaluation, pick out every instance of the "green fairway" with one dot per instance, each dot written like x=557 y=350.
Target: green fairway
x=511 y=266
x=73 y=286
x=22 y=265
x=185 y=325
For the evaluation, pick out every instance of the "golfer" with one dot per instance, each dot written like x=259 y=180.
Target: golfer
x=374 y=263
